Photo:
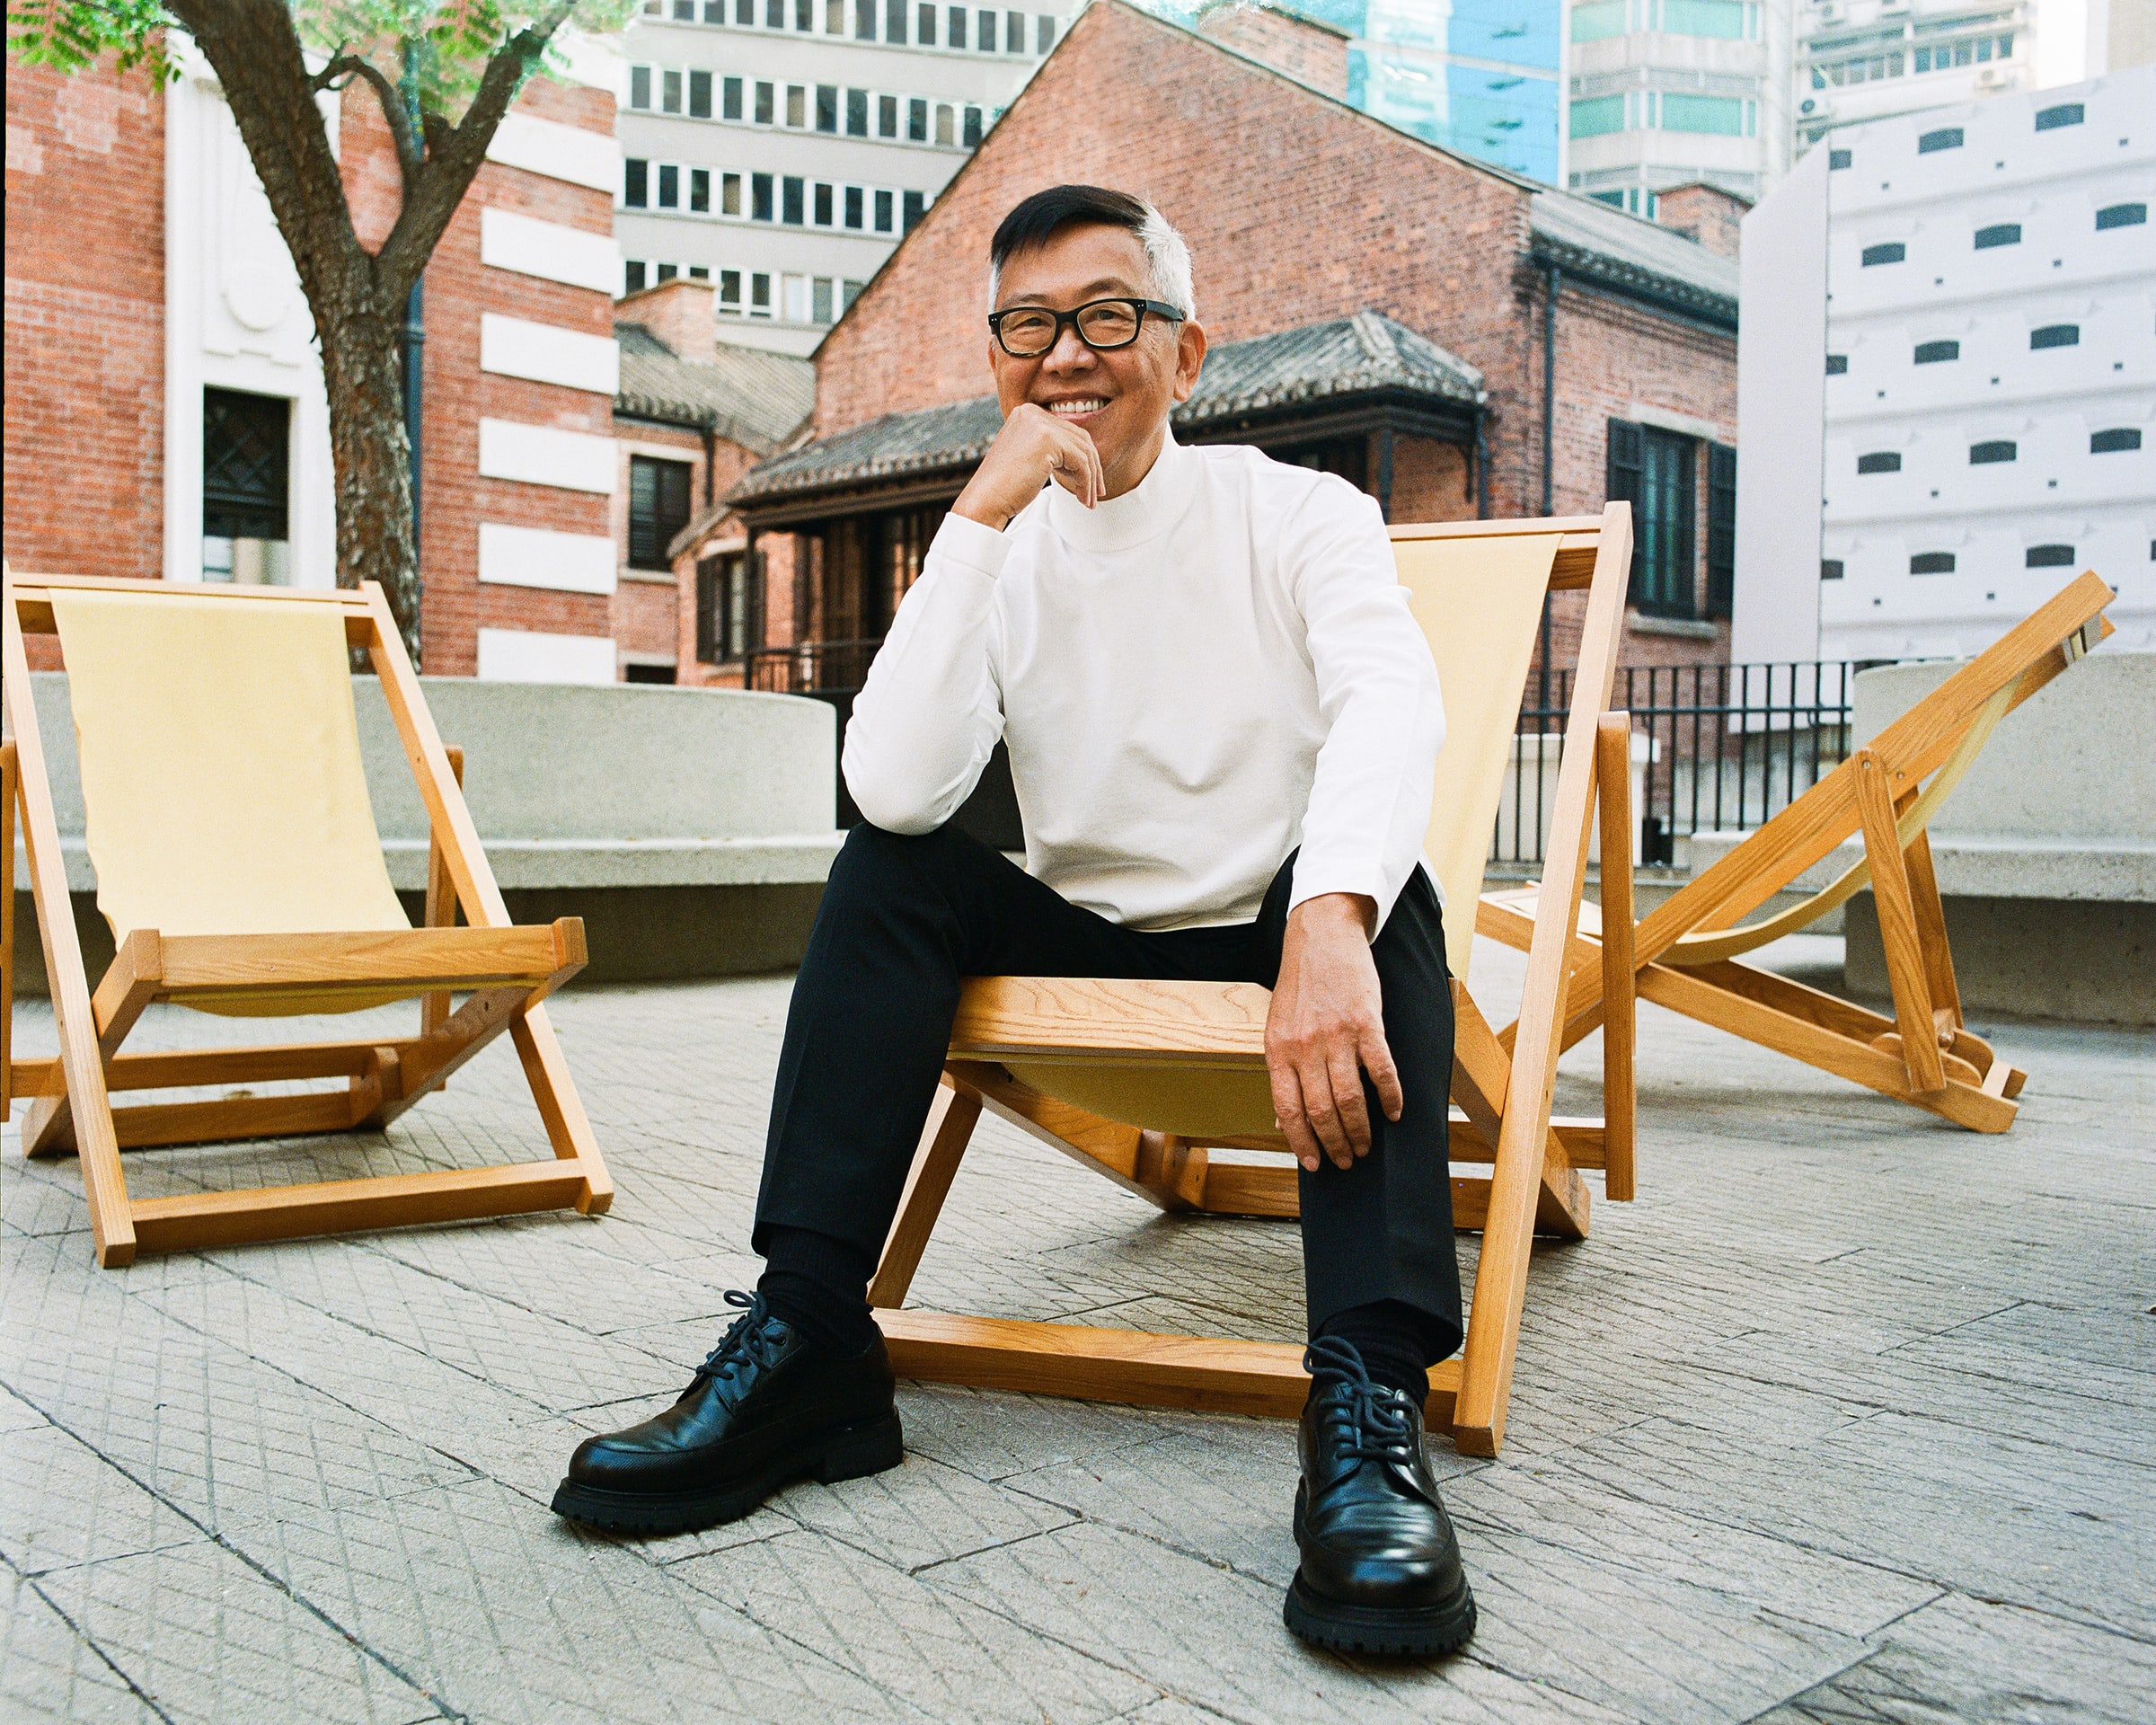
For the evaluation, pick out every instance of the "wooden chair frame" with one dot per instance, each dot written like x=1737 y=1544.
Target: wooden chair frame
x=505 y=971
x=1502 y=1107
x=1924 y=1053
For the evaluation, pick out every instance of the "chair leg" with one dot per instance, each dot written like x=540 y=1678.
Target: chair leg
x=1898 y=931
x=1620 y=1097
x=7 y=930
x=952 y=1119
x=441 y=911
x=1931 y=932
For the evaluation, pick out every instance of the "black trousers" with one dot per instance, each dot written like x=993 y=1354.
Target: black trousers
x=903 y=918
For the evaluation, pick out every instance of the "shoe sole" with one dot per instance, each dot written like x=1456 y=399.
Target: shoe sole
x=849 y=1453
x=1417 y=1630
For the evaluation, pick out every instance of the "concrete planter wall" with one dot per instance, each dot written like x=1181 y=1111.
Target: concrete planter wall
x=691 y=828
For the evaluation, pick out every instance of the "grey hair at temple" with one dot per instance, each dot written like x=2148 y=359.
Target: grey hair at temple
x=1039 y=218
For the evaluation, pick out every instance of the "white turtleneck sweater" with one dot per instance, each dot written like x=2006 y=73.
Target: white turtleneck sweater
x=1193 y=678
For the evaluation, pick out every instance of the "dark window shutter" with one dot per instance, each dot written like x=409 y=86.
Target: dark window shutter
x=1625 y=481
x=1721 y=528
x=707 y=611
x=658 y=509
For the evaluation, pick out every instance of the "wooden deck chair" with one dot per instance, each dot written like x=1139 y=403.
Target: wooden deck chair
x=1139 y=1081
x=1685 y=955
x=238 y=864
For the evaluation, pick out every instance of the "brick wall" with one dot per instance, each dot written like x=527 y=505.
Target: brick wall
x=85 y=324
x=1708 y=214
x=1301 y=48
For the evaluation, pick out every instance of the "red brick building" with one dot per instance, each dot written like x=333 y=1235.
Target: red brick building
x=1455 y=338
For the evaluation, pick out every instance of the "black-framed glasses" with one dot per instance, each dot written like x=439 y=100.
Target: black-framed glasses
x=1028 y=332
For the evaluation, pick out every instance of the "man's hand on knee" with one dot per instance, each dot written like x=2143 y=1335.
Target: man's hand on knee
x=1326 y=1029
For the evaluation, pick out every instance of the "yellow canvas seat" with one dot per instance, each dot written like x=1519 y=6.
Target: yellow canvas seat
x=1685 y=955
x=1139 y=1080
x=227 y=820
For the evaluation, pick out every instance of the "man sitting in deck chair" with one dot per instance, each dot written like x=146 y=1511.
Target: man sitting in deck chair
x=1223 y=724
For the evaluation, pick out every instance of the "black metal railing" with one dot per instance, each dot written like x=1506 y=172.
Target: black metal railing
x=813 y=666
x=1728 y=747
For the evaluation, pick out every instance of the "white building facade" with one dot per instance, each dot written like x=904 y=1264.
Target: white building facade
x=781 y=148
x=1985 y=407
x=1673 y=92
x=1858 y=60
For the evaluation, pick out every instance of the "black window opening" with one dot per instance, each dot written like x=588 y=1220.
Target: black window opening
x=2121 y=216
x=669 y=186
x=972 y=134
x=646 y=673
x=857 y=113
x=1880 y=461
x=2110 y=443
x=2047 y=557
x=1837 y=159
x=823 y=215
x=794 y=200
x=759 y=196
x=854 y=217
x=2055 y=335
x=916 y=120
x=957 y=36
x=827 y=107
x=632 y=275
x=246 y=488
x=658 y=509
x=1998 y=234
x=1044 y=32
x=1932 y=562
x=2067 y=113
x=699 y=190
x=864 y=21
x=1996 y=449
x=722 y=608
x=729 y=99
x=1657 y=471
x=915 y=205
x=985 y=34
x=894 y=23
x=665 y=271
x=635 y=181
x=1893 y=251
x=1830 y=569
x=1721 y=529
x=700 y=96
x=1932 y=353
x=925 y=25
x=883 y=212
x=1947 y=137
x=1836 y=364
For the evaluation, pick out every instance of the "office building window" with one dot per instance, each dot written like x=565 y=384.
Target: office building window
x=246 y=488
x=849 y=292
x=2055 y=335
x=1656 y=472
x=658 y=509
x=669 y=186
x=759 y=192
x=714 y=11
x=883 y=212
x=915 y=207
x=700 y=191
x=729 y=290
x=819 y=307
x=827 y=107
x=925 y=25
x=886 y=115
x=916 y=120
x=774 y=14
x=1044 y=33
x=1996 y=449
x=764 y=95
x=796 y=288
x=2121 y=216
x=794 y=199
x=2047 y=557
x=796 y=106
x=1998 y=234
x=700 y=96
x=745 y=12
x=1880 y=461
x=1932 y=562
x=730 y=194
x=894 y=23
x=685 y=11
x=729 y=99
x=698 y=272
x=632 y=275
x=1836 y=364
x=670 y=92
x=635 y=181
x=665 y=272
x=985 y=32
x=857 y=113
x=759 y=295
x=640 y=86
x=1014 y=32
x=1947 y=137
x=947 y=123
x=804 y=15
x=2067 y=113
x=973 y=128
x=2111 y=443
x=854 y=218
x=722 y=608
x=1830 y=569
x=824 y=216
x=864 y=20
x=1838 y=159
x=955 y=37
x=834 y=17
x=1932 y=353
x=1894 y=251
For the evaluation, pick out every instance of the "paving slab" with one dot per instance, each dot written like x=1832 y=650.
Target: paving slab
x=49 y=1672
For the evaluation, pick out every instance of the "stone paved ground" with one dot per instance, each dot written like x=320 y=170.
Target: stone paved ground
x=1852 y=1417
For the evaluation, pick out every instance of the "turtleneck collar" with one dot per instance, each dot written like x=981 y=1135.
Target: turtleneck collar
x=1147 y=511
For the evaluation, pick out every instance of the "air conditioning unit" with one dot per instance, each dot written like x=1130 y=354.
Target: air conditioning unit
x=1994 y=77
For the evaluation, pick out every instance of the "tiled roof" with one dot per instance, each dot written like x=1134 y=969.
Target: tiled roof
x=1366 y=354
x=755 y=399
x=1604 y=245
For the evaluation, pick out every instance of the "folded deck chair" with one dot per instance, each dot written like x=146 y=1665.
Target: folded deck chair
x=238 y=864
x=1686 y=954
x=1139 y=1081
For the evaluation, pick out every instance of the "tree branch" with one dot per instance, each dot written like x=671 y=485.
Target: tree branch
x=390 y=100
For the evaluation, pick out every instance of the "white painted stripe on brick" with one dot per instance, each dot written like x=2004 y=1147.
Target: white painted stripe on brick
x=525 y=656
x=539 y=455
x=567 y=562
x=548 y=355
x=548 y=249
x=559 y=152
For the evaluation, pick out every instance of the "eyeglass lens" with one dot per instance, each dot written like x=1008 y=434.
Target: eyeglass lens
x=1105 y=323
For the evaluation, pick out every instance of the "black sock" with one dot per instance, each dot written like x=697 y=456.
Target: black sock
x=819 y=1285
x=1397 y=1341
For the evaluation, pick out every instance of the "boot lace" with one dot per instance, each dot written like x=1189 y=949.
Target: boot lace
x=747 y=1341
x=1381 y=1419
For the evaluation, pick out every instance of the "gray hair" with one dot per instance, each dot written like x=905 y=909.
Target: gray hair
x=1167 y=261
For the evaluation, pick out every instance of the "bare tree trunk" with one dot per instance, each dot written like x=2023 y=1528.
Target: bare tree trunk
x=368 y=446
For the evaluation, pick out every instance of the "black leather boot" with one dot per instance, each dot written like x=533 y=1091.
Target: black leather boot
x=1381 y=1569
x=768 y=1407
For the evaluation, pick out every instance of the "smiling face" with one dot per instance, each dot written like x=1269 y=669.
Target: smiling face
x=1119 y=398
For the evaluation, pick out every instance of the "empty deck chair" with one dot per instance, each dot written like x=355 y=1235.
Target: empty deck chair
x=238 y=864
x=1139 y=1081
x=1686 y=955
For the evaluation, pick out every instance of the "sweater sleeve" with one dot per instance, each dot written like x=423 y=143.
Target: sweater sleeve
x=1377 y=693
x=928 y=716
